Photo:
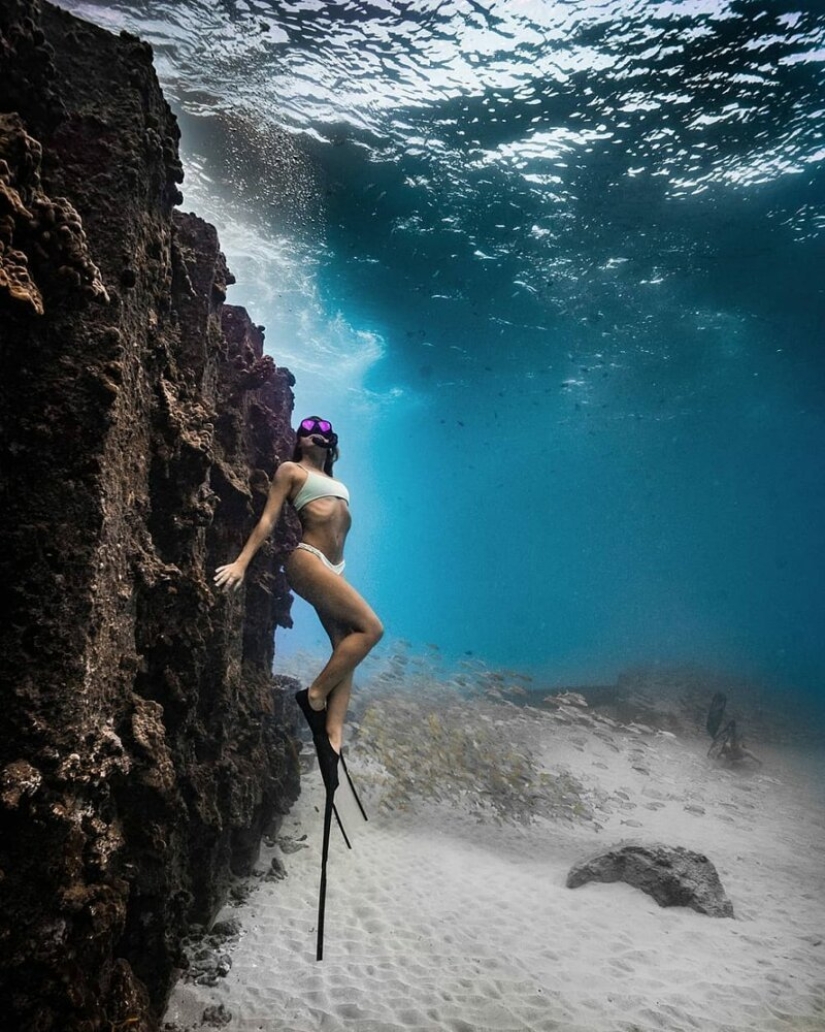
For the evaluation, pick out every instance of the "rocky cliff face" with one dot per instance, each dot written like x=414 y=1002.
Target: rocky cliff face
x=143 y=744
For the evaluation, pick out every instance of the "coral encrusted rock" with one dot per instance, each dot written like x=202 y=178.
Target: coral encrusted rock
x=145 y=746
x=672 y=875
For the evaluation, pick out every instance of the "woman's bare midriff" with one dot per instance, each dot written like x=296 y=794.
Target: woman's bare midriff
x=326 y=523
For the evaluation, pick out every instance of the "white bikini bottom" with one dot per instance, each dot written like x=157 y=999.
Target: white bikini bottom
x=335 y=567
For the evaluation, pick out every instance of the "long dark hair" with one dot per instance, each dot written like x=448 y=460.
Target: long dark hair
x=332 y=453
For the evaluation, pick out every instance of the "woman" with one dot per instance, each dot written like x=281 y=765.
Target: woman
x=315 y=572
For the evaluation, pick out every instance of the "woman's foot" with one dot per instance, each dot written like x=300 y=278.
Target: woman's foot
x=328 y=762
x=335 y=739
x=317 y=719
x=327 y=755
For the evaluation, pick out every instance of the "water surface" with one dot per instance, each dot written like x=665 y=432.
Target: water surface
x=554 y=269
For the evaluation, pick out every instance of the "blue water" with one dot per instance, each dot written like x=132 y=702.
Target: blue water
x=555 y=272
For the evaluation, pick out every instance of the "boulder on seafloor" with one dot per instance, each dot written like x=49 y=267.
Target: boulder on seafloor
x=672 y=875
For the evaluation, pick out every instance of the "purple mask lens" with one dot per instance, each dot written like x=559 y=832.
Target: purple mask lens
x=308 y=425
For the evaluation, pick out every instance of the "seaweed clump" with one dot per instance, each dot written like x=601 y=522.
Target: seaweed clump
x=430 y=743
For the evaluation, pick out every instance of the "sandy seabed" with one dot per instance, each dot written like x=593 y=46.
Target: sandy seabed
x=439 y=920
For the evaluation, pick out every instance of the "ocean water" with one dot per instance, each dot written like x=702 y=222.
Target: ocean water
x=554 y=269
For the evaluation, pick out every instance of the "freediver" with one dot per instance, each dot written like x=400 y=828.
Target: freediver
x=315 y=571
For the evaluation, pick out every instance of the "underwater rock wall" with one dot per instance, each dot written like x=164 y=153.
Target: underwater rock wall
x=143 y=748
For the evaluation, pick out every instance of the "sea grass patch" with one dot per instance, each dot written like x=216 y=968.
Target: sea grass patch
x=433 y=743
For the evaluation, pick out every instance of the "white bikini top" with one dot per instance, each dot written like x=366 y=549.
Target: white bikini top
x=318 y=485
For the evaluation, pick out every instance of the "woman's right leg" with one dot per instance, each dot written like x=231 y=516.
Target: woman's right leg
x=353 y=627
x=338 y=698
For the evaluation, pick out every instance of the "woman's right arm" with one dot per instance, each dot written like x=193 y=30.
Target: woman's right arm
x=230 y=576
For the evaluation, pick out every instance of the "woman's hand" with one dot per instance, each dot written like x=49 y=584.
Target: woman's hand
x=229 y=576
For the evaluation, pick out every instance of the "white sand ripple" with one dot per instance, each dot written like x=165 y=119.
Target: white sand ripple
x=436 y=921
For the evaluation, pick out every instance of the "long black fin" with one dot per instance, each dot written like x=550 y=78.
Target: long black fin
x=341 y=826
x=352 y=787
x=322 y=892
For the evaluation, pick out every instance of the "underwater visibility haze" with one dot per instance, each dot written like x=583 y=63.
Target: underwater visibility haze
x=555 y=272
